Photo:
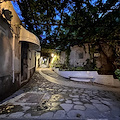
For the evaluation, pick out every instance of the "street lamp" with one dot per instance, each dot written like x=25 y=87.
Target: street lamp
x=52 y=55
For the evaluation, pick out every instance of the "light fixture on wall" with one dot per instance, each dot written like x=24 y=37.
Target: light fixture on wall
x=7 y=13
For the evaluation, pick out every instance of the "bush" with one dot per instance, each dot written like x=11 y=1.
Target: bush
x=117 y=73
x=79 y=68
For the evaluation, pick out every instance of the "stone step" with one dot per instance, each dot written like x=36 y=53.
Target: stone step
x=81 y=79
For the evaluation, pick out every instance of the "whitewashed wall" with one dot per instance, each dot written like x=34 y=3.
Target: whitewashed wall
x=74 y=57
x=87 y=76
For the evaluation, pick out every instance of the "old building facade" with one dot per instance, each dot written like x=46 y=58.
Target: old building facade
x=18 y=48
x=78 y=55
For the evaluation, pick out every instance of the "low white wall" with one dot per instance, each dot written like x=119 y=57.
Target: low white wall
x=87 y=75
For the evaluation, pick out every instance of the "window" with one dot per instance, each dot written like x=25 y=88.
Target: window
x=80 y=55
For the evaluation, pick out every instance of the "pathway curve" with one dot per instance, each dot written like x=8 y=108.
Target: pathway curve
x=42 y=99
x=51 y=76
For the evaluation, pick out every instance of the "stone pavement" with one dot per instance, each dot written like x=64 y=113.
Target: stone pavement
x=47 y=99
x=51 y=76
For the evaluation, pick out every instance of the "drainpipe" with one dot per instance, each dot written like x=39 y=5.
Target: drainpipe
x=13 y=62
x=0 y=8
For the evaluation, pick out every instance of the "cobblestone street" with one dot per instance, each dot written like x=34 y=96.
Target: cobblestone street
x=42 y=99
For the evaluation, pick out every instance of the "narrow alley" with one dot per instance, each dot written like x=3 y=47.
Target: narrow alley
x=45 y=99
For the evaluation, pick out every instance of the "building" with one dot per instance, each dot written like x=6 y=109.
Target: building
x=78 y=55
x=18 y=51
x=101 y=57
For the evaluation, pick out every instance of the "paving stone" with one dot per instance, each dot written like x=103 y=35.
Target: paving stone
x=64 y=90
x=91 y=94
x=82 y=97
x=60 y=90
x=61 y=100
x=25 y=108
x=90 y=106
x=96 y=98
x=55 y=108
x=56 y=97
x=81 y=90
x=115 y=110
x=84 y=100
x=80 y=107
x=88 y=98
x=95 y=101
x=75 y=99
x=95 y=92
x=78 y=103
x=77 y=96
x=84 y=94
x=55 y=104
x=46 y=96
x=55 y=87
x=28 y=115
x=93 y=114
x=16 y=115
x=74 y=90
x=106 y=102
x=63 y=93
x=108 y=113
x=106 y=99
x=87 y=91
x=3 y=116
x=76 y=114
x=68 y=101
x=47 y=115
x=66 y=107
x=101 y=107
x=59 y=114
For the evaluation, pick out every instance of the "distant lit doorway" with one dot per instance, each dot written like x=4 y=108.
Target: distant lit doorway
x=44 y=62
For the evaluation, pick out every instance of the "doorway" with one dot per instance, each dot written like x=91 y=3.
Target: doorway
x=24 y=61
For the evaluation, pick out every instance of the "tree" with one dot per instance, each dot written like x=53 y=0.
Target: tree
x=70 y=22
x=75 y=21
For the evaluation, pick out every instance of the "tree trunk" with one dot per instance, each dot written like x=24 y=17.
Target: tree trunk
x=106 y=59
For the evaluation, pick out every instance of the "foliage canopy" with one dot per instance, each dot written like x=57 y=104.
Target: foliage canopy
x=70 y=22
